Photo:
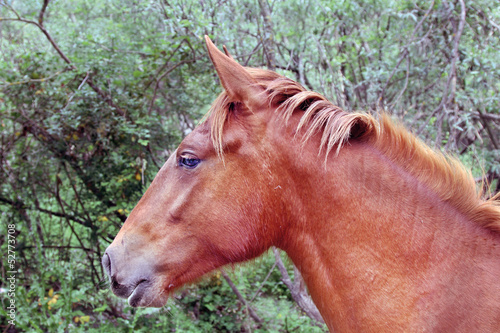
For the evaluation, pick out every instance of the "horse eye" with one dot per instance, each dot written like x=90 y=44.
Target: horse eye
x=188 y=162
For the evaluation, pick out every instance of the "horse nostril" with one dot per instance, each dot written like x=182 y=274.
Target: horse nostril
x=114 y=283
x=106 y=263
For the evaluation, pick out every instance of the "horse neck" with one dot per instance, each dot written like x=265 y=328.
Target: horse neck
x=371 y=241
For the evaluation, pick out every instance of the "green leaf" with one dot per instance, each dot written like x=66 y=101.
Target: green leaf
x=101 y=308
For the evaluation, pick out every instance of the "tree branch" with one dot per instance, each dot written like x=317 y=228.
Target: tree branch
x=250 y=310
x=263 y=282
x=404 y=53
x=268 y=38
x=18 y=204
x=41 y=134
x=61 y=247
x=298 y=293
x=42 y=12
x=90 y=82
x=453 y=70
x=36 y=80
x=406 y=80
x=483 y=118
x=91 y=260
x=161 y=78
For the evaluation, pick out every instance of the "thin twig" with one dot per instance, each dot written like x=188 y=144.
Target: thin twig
x=151 y=104
x=91 y=260
x=21 y=205
x=90 y=82
x=79 y=87
x=263 y=282
x=404 y=52
x=406 y=81
x=61 y=247
x=453 y=70
x=35 y=80
x=167 y=62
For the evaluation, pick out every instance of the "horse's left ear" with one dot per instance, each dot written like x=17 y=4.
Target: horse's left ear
x=238 y=83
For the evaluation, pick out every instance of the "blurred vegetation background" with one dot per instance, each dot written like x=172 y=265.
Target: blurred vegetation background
x=95 y=95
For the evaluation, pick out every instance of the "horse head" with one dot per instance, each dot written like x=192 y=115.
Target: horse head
x=209 y=204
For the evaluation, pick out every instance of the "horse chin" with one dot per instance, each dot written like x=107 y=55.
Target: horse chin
x=146 y=295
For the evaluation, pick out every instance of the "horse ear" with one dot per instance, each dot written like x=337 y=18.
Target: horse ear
x=238 y=83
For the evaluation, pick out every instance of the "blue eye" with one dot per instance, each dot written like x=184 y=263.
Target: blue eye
x=188 y=161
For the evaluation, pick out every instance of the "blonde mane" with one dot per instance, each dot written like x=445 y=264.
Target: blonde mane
x=443 y=174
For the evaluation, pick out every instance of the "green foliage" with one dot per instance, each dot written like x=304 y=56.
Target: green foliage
x=82 y=138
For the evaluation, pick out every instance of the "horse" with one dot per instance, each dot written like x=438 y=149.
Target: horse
x=387 y=233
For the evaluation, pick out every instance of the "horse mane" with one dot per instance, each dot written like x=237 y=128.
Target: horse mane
x=443 y=174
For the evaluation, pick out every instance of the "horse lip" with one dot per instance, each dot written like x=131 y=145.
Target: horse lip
x=138 y=292
x=125 y=290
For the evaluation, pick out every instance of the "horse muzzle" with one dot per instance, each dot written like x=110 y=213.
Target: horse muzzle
x=133 y=282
